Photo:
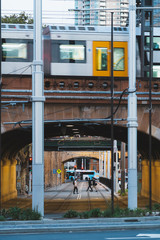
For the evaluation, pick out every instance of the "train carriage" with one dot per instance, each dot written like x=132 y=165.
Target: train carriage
x=76 y=51
x=85 y=51
x=17 y=49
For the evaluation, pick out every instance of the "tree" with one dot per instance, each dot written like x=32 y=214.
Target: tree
x=21 y=18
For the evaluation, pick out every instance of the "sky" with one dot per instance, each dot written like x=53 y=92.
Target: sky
x=54 y=11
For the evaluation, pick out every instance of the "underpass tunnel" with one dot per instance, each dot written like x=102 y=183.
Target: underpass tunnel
x=15 y=140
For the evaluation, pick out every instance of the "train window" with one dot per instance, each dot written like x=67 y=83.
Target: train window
x=69 y=51
x=81 y=28
x=101 y=59
x=53 y=27
x=61 y=27
x=3 y=26
x=72 y=28
x=17 y=50
x=118 y=56
x=156 y=43
x=72 y=52
x=91 y=28
x=22 y=26
x=30 y=27
x=156 y=71
x=12 y=26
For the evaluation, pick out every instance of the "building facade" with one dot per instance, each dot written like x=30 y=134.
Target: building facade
x=93 y=12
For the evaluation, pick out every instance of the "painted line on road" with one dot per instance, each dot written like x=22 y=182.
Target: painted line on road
x=123 y=238
x=139 y=236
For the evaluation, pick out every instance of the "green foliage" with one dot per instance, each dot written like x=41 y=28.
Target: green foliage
x=85 y=214
x=95 y=212
x=118 y=212
x=156 y=207
x=71 y=214
x=30 y=214
x=2 y=218
x=21 y=18
x=4 y=213
x=16 y=213
x=107 y=213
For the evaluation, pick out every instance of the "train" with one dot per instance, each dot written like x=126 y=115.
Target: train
x=75 y=50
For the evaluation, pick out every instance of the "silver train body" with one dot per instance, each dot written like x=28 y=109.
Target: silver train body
x=74 y=50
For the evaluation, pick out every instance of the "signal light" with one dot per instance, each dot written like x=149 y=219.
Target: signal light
x=30 y=160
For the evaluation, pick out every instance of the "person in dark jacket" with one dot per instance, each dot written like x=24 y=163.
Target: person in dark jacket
x=94 y=184
x=89 y=185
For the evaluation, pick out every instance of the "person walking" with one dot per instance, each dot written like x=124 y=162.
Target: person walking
x=89 y=185
x=75 y=189
x=94 y=184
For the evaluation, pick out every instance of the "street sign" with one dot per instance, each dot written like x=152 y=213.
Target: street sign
x=59 y=171
x=54 y=171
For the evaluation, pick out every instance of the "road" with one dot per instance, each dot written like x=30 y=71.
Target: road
x=106 y=235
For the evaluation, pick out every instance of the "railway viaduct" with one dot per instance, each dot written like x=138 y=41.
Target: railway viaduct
x=76 y=111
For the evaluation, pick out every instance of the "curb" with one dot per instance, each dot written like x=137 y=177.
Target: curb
x=79 y=225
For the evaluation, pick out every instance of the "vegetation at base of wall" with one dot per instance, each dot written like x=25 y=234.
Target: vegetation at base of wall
x=118 y=212
x=16 y=213
x=71 y=214
x=2 y=218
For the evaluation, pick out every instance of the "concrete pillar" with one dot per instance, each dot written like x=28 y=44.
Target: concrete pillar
x=38 y=114
x=132 y=110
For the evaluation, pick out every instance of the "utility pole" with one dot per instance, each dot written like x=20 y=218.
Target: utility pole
x=38 y=114
x=0 y=111
x=112 y=132
x=132 y=110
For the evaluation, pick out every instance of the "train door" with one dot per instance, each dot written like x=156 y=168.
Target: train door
x=101 y=56
x=102 y=59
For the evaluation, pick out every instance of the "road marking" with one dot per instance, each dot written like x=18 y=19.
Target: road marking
x=141 y=235
x=79 y=196
x=123 y=238
x=149 y=235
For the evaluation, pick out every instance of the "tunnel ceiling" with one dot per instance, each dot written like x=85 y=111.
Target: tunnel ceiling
x=16 y=139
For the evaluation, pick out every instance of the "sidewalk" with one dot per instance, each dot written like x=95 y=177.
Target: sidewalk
x=58 y=224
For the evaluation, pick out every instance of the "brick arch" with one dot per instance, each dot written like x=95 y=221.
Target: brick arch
x=15 y=139
x=66 y=156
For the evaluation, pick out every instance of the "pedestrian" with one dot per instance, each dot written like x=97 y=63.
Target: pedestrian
x=26 y=189
x=89 y=185
x=75 y=189
x=94 y=184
